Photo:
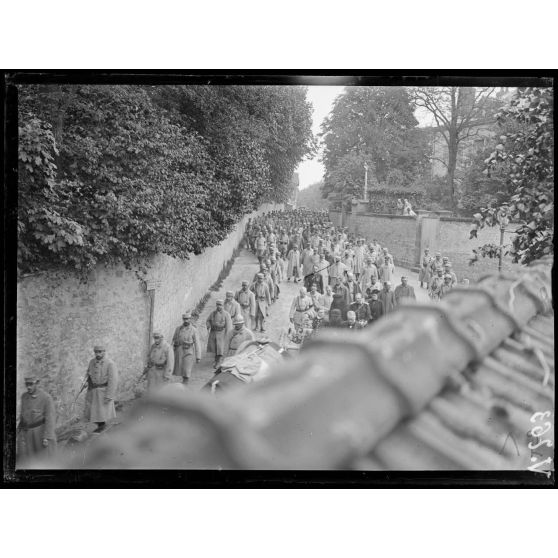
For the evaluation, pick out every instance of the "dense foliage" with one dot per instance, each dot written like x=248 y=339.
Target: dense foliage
x=376 y=126
x=116 y=173
x=525 y=157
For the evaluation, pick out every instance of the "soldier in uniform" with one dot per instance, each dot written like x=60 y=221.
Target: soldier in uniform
x=102 y=381
x=314 y=279
x=388 y=298
x=263 y=301
x=425 y=272
x=317 y=298
x=369 y=275
x=359 y=258
x=339 y=288
x=386 y=270
x=300 y=305
x=218 y=325
x=247 y=301
x=237 y=336
x=446 y=286
x=326 y=301
x=293 y=264
x=37 y=420
x=436 y=263
x=435 y=284
x=361 y=309
x=352 y=286
x=187 y=348
x=159 y=362
x=448 y=271
x=404 y=291
x=376 y=306
x=336 y=270
x=231 y=305
x=261 y=247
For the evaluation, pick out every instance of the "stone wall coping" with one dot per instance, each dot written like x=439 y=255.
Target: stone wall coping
x=385 y=215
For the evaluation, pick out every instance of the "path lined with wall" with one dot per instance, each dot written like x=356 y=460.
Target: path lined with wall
x=59 y=319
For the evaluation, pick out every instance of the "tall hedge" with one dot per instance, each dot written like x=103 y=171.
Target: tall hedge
x=115 y=173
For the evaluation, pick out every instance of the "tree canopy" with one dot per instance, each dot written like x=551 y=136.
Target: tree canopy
x=113 y=174
x=458 y=112
x=525 y=157
x=376 y=126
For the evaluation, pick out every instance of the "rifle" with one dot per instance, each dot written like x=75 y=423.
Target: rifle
x=142 y=375
x=83 y=386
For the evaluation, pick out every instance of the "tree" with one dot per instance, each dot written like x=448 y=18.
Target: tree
x=256 y=135
x=457 y=111
x=114 y=174
x=374 y=125
x=525 y=156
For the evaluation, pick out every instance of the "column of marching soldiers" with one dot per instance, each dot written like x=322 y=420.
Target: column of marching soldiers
x=345 y=282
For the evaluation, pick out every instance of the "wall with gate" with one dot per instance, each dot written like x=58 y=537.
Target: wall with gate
x=59 y=319
x=406 y=238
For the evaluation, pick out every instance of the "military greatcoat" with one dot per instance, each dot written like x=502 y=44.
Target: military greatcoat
x=102 y=381
x=220 y=324
x=37 y=421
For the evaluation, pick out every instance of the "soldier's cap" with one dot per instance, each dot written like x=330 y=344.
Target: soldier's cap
x=445 y=258
x=427 y=249
x=187 y=315
x=238 y=320
x=438 y=253
x=375 y=291
x=447 y=276
x=447 y=264
x=244 y=282
x=260 y=275
x=404 y=277
x=387 y=283
x=31 y=379
x=229 y=293
x=99 y=347
x=157 y=334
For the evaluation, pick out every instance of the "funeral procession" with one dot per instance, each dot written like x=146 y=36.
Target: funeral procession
x=284 y=277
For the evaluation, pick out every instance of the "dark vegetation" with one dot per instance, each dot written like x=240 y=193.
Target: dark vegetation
x=114 y=174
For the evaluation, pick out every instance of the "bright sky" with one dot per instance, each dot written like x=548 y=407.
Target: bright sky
x=321 y=97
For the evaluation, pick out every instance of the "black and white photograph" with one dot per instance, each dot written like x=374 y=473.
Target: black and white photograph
x=282 y=273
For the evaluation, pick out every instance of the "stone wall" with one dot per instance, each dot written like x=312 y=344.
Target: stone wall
x=59 y=319
x=335 y=217
x=397 y=232
x=453 y=241
x=406 y=238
